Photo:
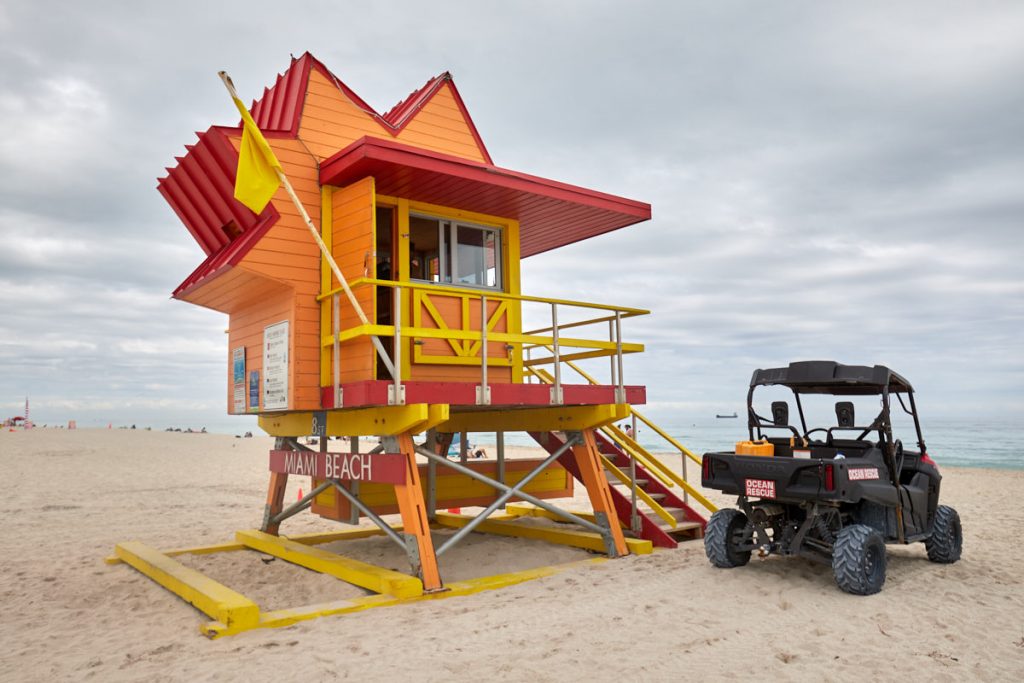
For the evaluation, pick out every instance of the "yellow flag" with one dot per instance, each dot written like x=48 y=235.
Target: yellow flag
x=256 y=179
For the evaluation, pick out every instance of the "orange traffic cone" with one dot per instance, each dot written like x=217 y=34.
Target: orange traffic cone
x=300 y=494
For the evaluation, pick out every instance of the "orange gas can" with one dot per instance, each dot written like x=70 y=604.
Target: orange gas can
x=762 y=447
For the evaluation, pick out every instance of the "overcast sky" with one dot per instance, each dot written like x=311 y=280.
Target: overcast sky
x=828 y=180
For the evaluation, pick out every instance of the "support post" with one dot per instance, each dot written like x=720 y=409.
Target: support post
x=275 y=502
x=353 y=514
x=336 y=349
x=500 y=447
x=414 y=519
x=588 y=460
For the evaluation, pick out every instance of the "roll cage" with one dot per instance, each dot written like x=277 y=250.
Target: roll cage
x=831 y=378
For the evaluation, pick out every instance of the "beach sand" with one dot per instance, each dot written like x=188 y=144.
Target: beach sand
x=70 y=496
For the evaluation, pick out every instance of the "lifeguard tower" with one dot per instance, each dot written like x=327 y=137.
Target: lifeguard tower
x=429 y=336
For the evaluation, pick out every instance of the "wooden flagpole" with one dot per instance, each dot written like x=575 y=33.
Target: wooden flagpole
x=320 y=243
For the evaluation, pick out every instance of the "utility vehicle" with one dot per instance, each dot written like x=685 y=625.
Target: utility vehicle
x=836 y=492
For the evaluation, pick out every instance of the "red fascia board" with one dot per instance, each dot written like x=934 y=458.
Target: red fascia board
x=333 y=172
x=400 y=114
x=375 y=392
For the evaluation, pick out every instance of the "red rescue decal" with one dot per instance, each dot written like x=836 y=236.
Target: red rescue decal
x=862 y=473
x=760 y=488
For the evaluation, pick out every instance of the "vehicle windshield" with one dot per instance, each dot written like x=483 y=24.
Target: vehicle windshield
x=820 y=415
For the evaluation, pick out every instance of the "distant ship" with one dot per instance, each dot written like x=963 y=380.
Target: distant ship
x=722 y=416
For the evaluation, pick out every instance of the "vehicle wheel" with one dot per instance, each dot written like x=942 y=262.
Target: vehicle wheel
x=858 y=560
x=947 y=539
x=722 y=539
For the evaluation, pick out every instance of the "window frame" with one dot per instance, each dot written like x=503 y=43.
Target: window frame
x=448 y=251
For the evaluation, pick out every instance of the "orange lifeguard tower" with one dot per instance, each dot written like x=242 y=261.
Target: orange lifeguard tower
x=422 y=340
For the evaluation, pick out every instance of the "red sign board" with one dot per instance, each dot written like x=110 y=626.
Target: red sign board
x=386 y=468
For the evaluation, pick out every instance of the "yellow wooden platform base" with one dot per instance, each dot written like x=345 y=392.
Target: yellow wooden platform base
x=368 y=576
x=234 y=613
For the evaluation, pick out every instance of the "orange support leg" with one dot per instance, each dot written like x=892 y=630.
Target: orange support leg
x=275 y=501
x=414 y=515
x=589 y=463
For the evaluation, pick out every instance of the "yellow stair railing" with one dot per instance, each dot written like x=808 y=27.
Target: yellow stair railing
x=652 y=463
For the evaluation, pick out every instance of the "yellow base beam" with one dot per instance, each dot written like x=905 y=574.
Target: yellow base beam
x=580 y=539
x=368 y=576
x=530 y=510
x=316 y=538
x=286 y=617
x=380 y=420
x=232 y=609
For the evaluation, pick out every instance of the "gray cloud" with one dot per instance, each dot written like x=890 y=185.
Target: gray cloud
x=828 y=180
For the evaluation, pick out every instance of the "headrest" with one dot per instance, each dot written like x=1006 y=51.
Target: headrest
x=844 y=413
x=780 y=413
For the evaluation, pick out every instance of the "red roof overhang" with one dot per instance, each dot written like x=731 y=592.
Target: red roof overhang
x=228 y=256
x=550 y=214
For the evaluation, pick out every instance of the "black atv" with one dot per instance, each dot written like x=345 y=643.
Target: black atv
x=835 y=500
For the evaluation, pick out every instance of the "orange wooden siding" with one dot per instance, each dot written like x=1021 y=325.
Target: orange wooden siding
x=246 y=329
x=280 y=277
x=440 y=126
x=352 y=233
x=330 y=122
x=288 y=254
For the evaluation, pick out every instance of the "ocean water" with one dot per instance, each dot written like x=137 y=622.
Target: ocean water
x=958 y=443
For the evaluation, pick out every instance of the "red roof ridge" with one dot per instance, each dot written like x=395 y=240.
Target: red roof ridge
x=280 y=107
x=414 y=100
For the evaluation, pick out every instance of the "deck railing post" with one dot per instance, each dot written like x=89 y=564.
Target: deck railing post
x=556 y=390
x=620 y=389
x=336 y=349
x=611 y=359
x=397 y=391
x=483 y=392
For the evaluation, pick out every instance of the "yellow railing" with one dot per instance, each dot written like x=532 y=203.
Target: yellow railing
x=476 y=340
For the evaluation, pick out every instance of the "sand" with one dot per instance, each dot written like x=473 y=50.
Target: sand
x=68 y=497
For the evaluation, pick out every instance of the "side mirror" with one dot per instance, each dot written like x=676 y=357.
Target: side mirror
x=844 y=413
x=780 y=413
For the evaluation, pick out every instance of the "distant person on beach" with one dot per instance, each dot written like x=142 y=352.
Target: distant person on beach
x=629 y=431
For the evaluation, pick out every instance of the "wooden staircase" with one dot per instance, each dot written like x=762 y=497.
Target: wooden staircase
x=663 y=517
x=664 y=514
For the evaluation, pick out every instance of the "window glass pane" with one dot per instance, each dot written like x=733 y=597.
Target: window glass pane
x=424 y=255
x=477 y=253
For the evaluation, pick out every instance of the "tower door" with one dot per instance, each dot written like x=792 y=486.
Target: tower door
x=385 y=250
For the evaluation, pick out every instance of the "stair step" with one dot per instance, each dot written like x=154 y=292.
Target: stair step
x=658 y=496
x=679 y=514
x=679 y=527
x=640 y=483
